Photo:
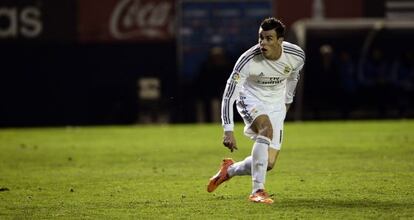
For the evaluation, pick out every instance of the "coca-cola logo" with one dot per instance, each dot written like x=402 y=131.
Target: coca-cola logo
x=135 y=18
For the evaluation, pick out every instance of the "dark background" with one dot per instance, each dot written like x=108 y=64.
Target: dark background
x=70 y=83
x=55 y=79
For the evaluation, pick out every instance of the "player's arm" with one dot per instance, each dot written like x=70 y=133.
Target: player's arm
x=291 y=84
x=232 y=89
x=233 y=86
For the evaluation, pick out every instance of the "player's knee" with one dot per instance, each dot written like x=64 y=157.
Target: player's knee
x=267 y=131
x=263 y=126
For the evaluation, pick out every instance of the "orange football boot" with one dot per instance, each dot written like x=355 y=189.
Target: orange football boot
x=260 y=196
x=221 y=176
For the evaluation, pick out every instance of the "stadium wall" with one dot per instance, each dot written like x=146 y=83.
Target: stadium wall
x=70 y=62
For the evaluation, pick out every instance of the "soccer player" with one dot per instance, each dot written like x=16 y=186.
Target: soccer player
x=263 y=82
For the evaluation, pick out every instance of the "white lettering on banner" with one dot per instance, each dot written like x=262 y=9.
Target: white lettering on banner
x=26 y=22
x=32 y=26
x=132 y=18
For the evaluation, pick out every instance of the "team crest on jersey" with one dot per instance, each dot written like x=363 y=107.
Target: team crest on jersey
x=287 y=70
x=236 y=76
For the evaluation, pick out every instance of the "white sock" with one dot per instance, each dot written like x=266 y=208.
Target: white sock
x=259 y=159
x=241 y=168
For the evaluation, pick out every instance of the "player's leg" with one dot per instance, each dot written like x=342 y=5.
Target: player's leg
x=277 y=118
x=260 y=195
x=273 y=154
x=241 y=168
x=264 y=130
x=260 y=157
x=274 y=148
x=244 y=167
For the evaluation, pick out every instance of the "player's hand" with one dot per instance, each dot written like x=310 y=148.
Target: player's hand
x=229 y=141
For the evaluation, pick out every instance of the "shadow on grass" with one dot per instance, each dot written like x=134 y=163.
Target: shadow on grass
x=340 y=203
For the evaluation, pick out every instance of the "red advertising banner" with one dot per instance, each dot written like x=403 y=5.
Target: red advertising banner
x=126 y=20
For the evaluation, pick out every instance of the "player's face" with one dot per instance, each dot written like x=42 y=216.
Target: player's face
x=270 y=45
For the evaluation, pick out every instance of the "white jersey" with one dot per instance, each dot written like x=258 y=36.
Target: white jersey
x=272 y=82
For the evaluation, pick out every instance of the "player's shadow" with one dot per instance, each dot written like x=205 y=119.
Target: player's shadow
x=340 y=203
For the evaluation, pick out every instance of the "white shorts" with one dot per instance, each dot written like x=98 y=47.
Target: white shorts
x=249 y=108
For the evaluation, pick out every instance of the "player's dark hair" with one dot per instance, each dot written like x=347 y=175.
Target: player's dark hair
x=273 y=23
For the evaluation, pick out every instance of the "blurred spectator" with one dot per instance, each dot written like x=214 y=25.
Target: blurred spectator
x=348 y=85
x=210 y=84
x=402 y=72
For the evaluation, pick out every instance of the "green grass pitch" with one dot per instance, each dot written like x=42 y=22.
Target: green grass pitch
x=326 y=170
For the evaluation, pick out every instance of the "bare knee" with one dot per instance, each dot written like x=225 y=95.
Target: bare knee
x=262 y=126
x=266 y=131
